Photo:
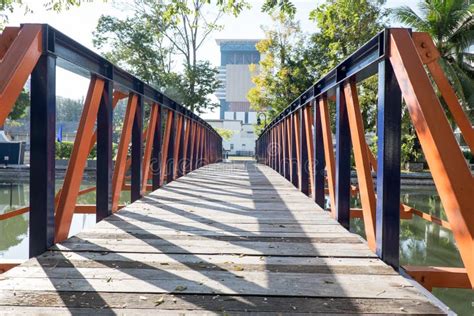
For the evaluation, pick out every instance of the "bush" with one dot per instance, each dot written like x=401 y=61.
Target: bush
x=64 y=150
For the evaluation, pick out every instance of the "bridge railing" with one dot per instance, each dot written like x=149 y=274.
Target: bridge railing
x=298 y=143
x=175 y=141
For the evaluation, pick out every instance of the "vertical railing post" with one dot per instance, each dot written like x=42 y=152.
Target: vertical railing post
x=104 y=168
x=280 y=147
x=293 y=162
x=42 y=151
x=156 y=153
x=319 y=162
x=343 y=160
x=285 y=149
x=137 y=150
x=170 y=162
x=388 y=161
x=304 y=161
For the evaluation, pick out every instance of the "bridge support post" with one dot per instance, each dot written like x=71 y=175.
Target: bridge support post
x=388 y=171
x=304 y=161
x=293 y=150
x=343 y=160
x=137 y=151
x=156 y=153
x=104 y=153
x=318 y=154
x=171 y=145
x=42 y=159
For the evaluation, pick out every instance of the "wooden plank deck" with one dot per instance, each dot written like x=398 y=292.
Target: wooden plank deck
x=225 y=239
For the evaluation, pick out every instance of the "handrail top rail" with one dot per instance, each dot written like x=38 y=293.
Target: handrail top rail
x=362 y=64
x=75 y=57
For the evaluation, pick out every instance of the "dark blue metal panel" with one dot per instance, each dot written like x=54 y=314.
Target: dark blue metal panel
x=170 y=162
x=343 y=160
x=286 y=164
x=293 y=162
x=181 y=149
x=156 y=153
x=304 y=162
x=42 y=152
x=318 y=154
x=104 y=167
x=137 y=151
x=388 y=172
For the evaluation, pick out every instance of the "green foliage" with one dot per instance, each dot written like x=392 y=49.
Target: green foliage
x=226 y=134
x=196 y=84
x=282 y=74
x=68 y=110
x=344 y=26
x=284 y=6
x=410 y=150
x=451 y=25
x=162 y=33
x=64 y=150
x=20 y=107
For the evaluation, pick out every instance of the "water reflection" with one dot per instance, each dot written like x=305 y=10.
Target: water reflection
x=427 y=244
x=12 y=231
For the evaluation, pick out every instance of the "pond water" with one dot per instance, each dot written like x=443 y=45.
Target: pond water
x=421 y=242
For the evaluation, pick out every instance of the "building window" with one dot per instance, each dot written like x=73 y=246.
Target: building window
x=231 y=146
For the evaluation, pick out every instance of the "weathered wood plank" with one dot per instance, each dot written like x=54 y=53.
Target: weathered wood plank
x=215 y=241
x=131 y=303
x=211 y=282
x=211 y=262
x=211 y=246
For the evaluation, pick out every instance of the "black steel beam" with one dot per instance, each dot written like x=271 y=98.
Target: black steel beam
x=104 y=169
x=42 y=154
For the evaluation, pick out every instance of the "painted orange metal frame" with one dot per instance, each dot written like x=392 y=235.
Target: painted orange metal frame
x=21 y=50
x=444 y=277
x=328 y=151
x=72 y=181
x=430 y=56
x=361 y=155
x=120 y=162
x=450 y=172
x=150 y=135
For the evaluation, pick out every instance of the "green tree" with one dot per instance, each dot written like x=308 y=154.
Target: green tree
x=161 y=32
x=21 y=105
x=68 y=110
x=226 y=134
x=282 y=74
x=451 y=25
x=344 y=26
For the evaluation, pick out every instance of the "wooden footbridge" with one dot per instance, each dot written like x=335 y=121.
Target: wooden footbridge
x=225 y=238
x=242 y=237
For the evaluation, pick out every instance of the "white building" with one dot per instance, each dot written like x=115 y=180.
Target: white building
x=235 y=112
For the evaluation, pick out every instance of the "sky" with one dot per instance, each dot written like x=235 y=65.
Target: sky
x=79 y=24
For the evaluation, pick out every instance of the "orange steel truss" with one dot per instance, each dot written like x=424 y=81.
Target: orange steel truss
x=450 y=172
x=20 y=51
x=408 y=55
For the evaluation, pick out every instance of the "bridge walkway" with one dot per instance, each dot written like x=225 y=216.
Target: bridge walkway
x=226 y=238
